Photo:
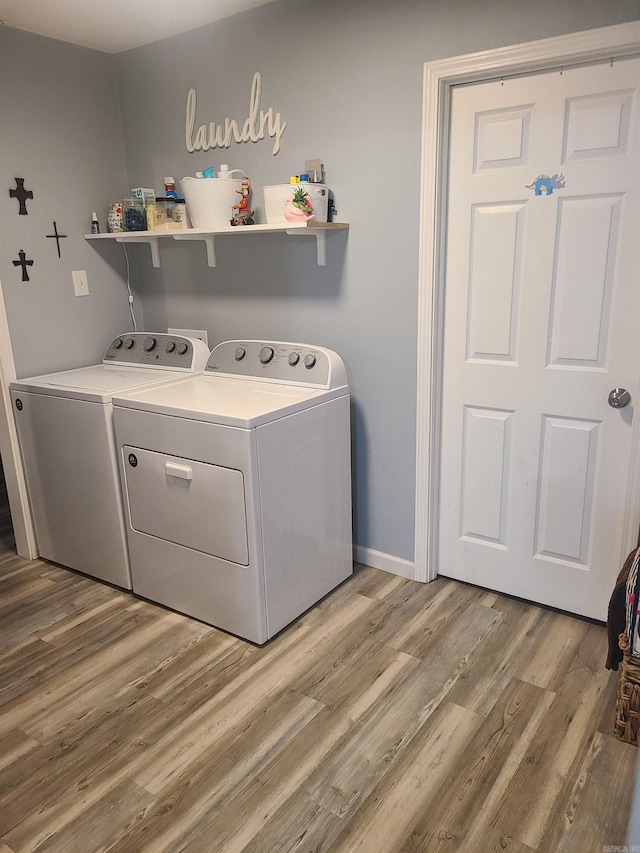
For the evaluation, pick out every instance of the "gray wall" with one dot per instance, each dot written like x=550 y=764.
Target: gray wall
x=61 y=132
x=347 y=77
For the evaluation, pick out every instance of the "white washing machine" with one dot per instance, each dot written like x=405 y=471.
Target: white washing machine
x=65 y=428
x=238 y=486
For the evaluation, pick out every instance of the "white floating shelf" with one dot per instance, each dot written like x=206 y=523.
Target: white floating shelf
x=318 y=229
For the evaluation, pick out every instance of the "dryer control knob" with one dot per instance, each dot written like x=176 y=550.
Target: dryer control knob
x=266 y=354
x=240 y=353
x=128 y=343
x=149 y=344
x=309 y=361
x=294 y=358
x=182 y=348
x=171 y=345
x=117 y=343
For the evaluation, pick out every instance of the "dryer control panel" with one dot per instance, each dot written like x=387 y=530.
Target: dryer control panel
x=155 y=349
x=278 y=361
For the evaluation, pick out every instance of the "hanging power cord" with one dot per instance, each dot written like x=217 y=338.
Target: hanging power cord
x=133 y=316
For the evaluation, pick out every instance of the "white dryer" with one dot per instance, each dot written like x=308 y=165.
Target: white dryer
x=65 y=429
x=238 y=486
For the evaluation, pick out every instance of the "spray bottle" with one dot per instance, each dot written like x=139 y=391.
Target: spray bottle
x=170 y=188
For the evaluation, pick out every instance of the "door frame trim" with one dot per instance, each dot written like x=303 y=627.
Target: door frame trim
x=19 y=508
x=439 y=77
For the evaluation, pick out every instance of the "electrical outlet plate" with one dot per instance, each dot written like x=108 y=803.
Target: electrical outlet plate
x=191 y=333
x=80 y=282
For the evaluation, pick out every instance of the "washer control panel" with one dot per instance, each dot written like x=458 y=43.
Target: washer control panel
x=145 y=349
x=301 y=364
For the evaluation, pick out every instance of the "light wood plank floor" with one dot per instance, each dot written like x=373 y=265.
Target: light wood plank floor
x=391 y=717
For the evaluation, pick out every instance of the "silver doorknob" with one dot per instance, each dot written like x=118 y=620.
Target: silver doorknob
x=619 y=398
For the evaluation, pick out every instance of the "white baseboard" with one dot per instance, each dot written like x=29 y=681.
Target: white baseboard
x=386 y=562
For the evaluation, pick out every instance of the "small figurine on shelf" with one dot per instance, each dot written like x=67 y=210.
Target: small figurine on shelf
x=298 y=208
x=244 y=216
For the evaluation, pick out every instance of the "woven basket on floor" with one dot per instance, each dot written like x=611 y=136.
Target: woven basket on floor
x=628 y=699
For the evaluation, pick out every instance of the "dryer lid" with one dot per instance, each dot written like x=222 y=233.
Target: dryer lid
x=230 y=402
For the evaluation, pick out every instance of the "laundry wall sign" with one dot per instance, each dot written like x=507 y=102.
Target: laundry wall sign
x=545 y=185
x=258 y=124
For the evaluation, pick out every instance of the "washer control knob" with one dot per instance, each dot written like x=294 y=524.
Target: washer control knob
x=149 y=344
x=240 y=353
x=294 y=358
x=309 y=361
x=266 y=354
x=117 y=343
x=129 y=343
x=171 y=345
x=182 y=348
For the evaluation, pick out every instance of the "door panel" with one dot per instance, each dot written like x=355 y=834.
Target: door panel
x=564 y=514
x=541 y=322
x=494 y=281
x=485 y=481
x=587 y=242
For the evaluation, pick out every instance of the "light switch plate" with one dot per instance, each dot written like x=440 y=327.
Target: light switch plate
x=191 y=333
x=80 y=282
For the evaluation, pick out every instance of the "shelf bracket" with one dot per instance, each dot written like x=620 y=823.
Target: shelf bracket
x=153 y=245
x=321 y=243
x=209 y=242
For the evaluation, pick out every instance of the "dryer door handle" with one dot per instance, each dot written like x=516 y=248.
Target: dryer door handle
x=182 y=471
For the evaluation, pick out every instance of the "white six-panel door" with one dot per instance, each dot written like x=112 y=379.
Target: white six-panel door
x=542 y=321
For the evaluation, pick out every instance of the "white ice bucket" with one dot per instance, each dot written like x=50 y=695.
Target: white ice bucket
x=210 y=200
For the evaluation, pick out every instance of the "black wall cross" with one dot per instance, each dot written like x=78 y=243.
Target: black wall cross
x=22 y=195
x=24 y=263
x=57 y=236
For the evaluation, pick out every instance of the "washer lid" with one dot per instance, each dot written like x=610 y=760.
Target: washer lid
x=230 y=402
x=97 y=383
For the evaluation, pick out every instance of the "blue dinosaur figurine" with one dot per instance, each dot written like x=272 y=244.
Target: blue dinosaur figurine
x=544 y=183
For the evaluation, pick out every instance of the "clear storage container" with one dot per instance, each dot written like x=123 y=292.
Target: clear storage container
x=133 y=215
